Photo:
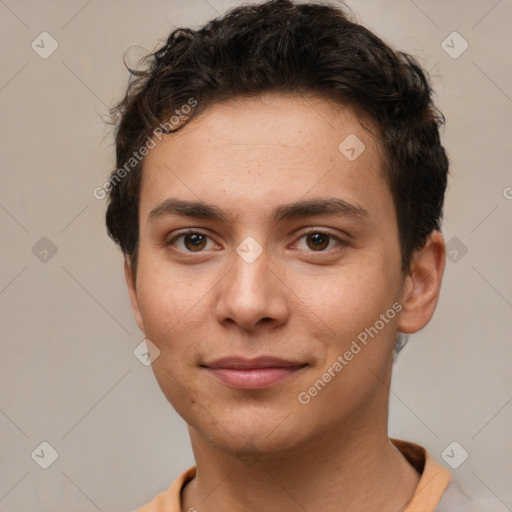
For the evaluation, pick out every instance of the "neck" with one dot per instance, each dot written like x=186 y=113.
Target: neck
x=336 y=471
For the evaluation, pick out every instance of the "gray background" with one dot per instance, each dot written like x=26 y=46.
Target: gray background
x=68 y=375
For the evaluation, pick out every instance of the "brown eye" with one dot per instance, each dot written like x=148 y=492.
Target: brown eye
x=194 y=241
x=317 y=241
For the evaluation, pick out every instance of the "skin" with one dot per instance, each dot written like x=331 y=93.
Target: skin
x=263 y=449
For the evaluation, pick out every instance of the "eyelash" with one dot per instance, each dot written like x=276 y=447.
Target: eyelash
x=341 y=243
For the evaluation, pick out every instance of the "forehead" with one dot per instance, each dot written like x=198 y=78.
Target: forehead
x=251 y=152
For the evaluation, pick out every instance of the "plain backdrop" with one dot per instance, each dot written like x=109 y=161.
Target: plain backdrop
x=68 y=374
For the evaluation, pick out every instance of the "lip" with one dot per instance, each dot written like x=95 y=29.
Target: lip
x=257 y=373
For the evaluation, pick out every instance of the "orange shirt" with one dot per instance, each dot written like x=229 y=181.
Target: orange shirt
x=431 y=487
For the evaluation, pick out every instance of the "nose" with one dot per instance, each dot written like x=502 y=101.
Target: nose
x=251 y=295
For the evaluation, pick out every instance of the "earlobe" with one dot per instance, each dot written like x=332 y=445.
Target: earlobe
x=132 y=292
x=422 y=285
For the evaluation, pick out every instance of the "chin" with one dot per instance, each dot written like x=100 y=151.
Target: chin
x=253 y=435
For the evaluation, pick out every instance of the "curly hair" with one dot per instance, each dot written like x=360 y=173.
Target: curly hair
x=279 y=46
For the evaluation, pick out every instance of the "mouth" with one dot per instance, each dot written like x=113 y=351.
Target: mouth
x=258 y=373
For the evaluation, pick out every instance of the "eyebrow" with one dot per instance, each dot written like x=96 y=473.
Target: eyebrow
x=304 y=208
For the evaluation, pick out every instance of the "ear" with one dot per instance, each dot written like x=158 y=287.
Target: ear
x=422 y=285
x=132 y=292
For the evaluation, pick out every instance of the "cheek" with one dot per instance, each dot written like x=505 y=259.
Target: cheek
x=170 y=310
x=168 y=296
x=350 y=306
x=155 y=297
x=348 y=300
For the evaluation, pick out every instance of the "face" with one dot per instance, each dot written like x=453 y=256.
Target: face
x=264 y=243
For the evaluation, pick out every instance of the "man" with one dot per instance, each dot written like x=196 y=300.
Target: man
x=278 y=195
